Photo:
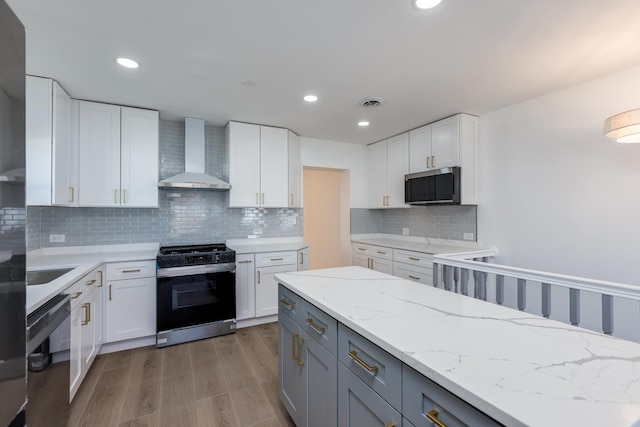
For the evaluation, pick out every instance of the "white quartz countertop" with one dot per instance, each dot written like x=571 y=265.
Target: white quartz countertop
x=521 y=369
x=248 y=246
x=426 y=246
x=82 y=259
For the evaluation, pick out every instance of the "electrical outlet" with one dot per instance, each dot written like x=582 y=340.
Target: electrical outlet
x=257 y=231
x=405 y=231
x=467 y=236
x=56 y=238
x=292 y=220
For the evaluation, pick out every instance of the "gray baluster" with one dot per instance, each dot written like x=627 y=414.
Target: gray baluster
x=500 y=289
x=464 y=282
x=607 y=314
x=435 y=275
x=546 y=300
x=447 y=272
x=482 y=285
x=456 y=279
x=522 y=294
x=574 y=306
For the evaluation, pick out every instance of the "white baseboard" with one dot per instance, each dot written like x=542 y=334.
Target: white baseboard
x=245 y=323
x=127 y=344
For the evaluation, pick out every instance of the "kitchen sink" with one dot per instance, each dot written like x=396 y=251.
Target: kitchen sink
x=41 y=277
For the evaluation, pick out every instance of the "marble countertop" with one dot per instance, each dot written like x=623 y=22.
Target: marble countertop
x=247 y=246
x=82 y=259
x=521 y=369
x=424 y=245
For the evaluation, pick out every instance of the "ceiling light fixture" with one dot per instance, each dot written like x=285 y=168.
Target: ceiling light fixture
x=249 y=82
x=363 y=124
x=426 y=4
x=127 y=63
x=624 y=127
x=310 y=98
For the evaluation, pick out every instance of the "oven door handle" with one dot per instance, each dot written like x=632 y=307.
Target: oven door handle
x=195 y=269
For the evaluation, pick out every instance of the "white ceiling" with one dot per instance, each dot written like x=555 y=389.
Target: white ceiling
x=470 y=56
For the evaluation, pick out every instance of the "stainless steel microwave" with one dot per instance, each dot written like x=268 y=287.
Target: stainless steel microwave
x=439 y=186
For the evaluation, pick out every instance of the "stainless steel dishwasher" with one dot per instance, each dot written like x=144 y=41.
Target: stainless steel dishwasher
x=47 y=384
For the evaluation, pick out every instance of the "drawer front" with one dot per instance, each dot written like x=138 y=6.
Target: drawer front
x=320 y=326
x=414 y=258
x=131 y=270
x=269 y=259
x=381 y=252
x=359 y=248
x=290 y=304
x=422 y=397
x=377 y=368
x=413 y=273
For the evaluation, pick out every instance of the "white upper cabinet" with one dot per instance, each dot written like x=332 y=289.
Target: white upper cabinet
x=51 y=149
x=295 y=171
x=388 y=164
x=258 y=165
x=420 y=149
x=445 y=143
x=118 y=156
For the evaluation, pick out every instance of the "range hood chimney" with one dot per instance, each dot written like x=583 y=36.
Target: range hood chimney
x=194 y=176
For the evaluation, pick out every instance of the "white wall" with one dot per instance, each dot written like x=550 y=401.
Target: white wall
x=555 y=194
x=339 y=155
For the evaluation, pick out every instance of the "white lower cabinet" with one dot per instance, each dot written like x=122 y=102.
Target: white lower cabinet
x=245 y=287
x=130 y=301
x=303 y=259
x=86 y=326
x=267 y=288
x=373 y=257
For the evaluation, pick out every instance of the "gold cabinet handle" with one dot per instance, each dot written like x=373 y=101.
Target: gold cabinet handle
x=414 y=278
x=86 y=314
x=76 y=295
x=368 y=262
x=109 y=292
x=263 y=198
x=318 y=329
x=291 y=204
x=354 y=355
x=362 y=249
x=115 y=196
x=300 y=341
x=277 y=259
x=372 y=264
x=414 y=258
x=301 y=258
x=136 y=270
x=381 y=252
x=70 y=199
x=124 y=195
x=286 y=303
x=91 y=282
x=390 y=425
x=246 y=261
x=100 y=273
x=294 y=338
x=257 y=198
x=428 y=158
x=432 y=416
x=433 y=161
x=258 y=276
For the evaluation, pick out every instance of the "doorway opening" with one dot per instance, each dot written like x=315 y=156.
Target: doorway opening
x=327 y=217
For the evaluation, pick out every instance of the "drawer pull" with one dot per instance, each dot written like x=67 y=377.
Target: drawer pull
x=287 y=304
x=76 y=295
x=300 y=341
x=277 y=259
x=248 y=261
x=354 y=355
x=101 y=279
x=91 y=282
x=362 y=249
x=390 y=425
x=318 y=329
x=137 y=270
x=381 y=252
x=414 y=278
x=412 y=258
x=432 y=416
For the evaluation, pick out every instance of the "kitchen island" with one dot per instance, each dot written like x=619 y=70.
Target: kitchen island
x=515 y=367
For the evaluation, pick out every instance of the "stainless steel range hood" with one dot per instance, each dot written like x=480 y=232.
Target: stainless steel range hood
x=194 y=175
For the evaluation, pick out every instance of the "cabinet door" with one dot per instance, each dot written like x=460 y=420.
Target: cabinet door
x=75 y=354
x=274 y=167
x=267 y=288
x=295 y=171
x=361 y=260
x=99 y=309
x=445 y=142
x=139 y=158
x=420 y=149
x=319 y=384
x=397 y=168
x=377 y=175
x=289 y=371
x=382 y=265
x=245 y=287
x=243 y=146
x=359 y=405
x=38 y=116
x=89 y=328
x=99 y=159
x=130 y=309
x=64 y=165
x=303 y=259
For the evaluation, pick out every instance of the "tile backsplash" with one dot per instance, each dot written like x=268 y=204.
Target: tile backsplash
x=443 y=222
x=183 y=216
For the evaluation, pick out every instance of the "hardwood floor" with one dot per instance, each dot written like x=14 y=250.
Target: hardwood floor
x=229 y=381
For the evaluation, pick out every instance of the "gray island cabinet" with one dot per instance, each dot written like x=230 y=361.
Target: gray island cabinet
x=358 y=348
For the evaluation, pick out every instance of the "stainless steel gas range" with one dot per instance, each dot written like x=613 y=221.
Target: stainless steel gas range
x=196 y=293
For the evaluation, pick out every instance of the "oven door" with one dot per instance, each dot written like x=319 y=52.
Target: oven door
x=195 y=299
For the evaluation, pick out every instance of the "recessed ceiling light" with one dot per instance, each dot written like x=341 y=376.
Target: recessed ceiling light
x=363 y=124
x=426 y=4
x=127 y=63
x=249 y=82
x=310 y=98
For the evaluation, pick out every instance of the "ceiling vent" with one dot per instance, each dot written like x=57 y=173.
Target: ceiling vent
x=372 y=102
